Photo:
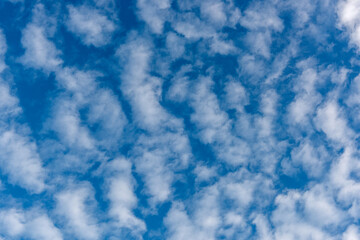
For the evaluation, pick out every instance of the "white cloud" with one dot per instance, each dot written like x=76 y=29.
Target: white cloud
x=320 y=208
x=263 y=227
x=351 y=233
x=213 y=124
x=259 y=43
x=341 y=173
x=154 y=13
x=207 y=215
x=302 y=109
x=156 y=158
x=252 y=67
x=261 y=17
x=288 y=221
x=204 y=222
x=329 y=119
x=42 y=228
x=9 y=104
x=103 y=108
x=67 y=124
x=175 y=45
x=142 y=90
x=178 y=91
x=348 y=12
x=106 y=111
x=244 y=189
x=204 y=173
x=236 y=96
x=73 y=206
x=214 y=11
x=310 y=158
x=192 y=27
x=21 y=162
x=151 y=155
x=92 y=26
x=39 y=51
x=302 y=11
x=13 y=222
x=122 y=196
x=18 y=224
x=80 y=84
x=261 y=22
x=179 y=225
x=223 y=47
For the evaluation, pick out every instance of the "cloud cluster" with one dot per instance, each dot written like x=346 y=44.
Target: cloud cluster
x=169 y=119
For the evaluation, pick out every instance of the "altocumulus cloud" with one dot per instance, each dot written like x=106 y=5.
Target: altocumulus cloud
x=179 y=119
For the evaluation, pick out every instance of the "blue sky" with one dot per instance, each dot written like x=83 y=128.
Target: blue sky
x=180 y=119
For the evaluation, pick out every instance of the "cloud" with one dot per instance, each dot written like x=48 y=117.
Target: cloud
x=9 y=104
x=329 y=119
x=312 y=159
x=204 y=173
x=288 y=222
x=206 y=217
x=142 y=90
x=72 y=206
x=236 y=96
x=29 y=225
x=22 y=167
x=202 y=225
x=40 y=52
x=214 y=11
x=261 y=22
x=154 y=13
x=106 y=112
x=348 y=12
x=104 y=109
x=341 y=173
x=191 y=27
x=175 y=45
x=42 y=228
x=179 y=225
x=90 y=25
x=156 y=158
x=351 y=233
x=68 y=126
x=14 y=221
x=211 y=121
x=214 y=125
x=122 y=196
x=263 y=228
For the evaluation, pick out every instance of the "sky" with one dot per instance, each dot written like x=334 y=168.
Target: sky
x=180 y=119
